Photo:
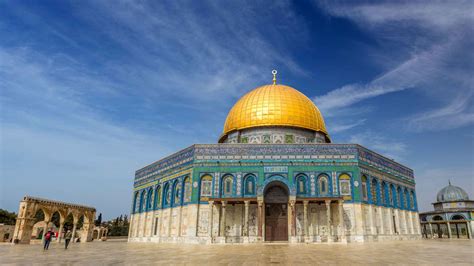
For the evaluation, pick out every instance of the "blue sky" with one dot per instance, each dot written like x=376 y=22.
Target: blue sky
x=90 y=91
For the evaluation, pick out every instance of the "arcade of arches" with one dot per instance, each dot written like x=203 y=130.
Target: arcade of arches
x=276 y=217
x=32 y=208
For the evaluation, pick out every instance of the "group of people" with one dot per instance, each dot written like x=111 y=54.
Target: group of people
x=48 y=237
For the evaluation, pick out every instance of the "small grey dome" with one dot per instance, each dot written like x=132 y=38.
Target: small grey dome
x=451 y=193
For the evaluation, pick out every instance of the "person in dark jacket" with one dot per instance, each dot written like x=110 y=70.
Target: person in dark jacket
x=48 y=236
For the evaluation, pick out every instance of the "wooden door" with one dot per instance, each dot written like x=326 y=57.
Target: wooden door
x=276 y=222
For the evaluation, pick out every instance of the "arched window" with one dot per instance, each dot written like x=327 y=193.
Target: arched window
x=249 y=185
x=323 y=185
x=400 y=198
x=149 y=201
x=373 y=191
x=228 y=181
x=167 y=194
x=437 y=218
x=206 y=186
x=301 y=184
x=136 y=203
x=458 y=217
x=177 y=193
x=143 y=201
x=393 y=196
x=412 y=200
x=345 y=185
x=157 y=197
x=407 y=199
x=187 y=189
x=365 y=196
x=383 y=193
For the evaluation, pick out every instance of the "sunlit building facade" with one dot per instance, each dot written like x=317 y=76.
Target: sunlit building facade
x=274 y=175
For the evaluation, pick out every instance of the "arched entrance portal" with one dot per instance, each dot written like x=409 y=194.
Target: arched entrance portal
x=276 y=212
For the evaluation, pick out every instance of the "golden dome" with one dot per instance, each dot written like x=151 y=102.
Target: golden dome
x=274 y=105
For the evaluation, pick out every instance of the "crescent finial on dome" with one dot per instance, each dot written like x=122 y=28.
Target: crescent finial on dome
x=274 y=72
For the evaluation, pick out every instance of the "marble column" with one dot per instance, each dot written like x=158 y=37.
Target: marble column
x=222 y=225
x=382 y=229
x=292 y=206
x=305 y=218
x=431 y=230
x=260 y=218
x=211 y=218
x=341 y=222
x=179 y=219
x=246 y=218
x=449 y=229
x=371 y=220
x=170 y=219
x=469 y=233
x=328 y=219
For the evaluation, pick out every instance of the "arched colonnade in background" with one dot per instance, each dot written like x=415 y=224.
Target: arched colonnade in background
x=29 y=206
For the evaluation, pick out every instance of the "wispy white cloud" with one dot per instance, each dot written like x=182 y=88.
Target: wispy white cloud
x=134 y=81
x=390 y=148
x=437 y=35
x=336 y=128
x=457 y=113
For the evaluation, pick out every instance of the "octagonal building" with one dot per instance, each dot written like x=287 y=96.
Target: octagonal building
x=274 y=175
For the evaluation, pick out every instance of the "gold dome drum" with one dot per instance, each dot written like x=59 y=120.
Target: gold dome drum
x=274 y=105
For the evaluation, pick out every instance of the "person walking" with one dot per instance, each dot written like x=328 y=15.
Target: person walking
x=48 y=236
x=67 y=238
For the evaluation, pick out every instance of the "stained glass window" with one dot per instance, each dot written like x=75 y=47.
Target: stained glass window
x=206 y=186
x=323 y=185
x=228 y=181
x=187 y=189
x=364 y=188
x=345 y=184
x=373 y=191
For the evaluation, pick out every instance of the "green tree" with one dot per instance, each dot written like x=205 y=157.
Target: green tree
x=6 y=217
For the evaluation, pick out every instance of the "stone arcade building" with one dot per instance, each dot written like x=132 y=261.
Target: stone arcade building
x=274 y=176
x=29 y=206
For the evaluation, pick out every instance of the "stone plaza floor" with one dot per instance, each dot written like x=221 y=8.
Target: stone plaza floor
x=425 y=252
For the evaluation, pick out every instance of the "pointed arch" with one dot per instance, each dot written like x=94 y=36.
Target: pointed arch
x=345 y=185
x=188 y=189
x=400 y=198
x=249 y=185
x=136 y=202
x=323 y=185
x=142 y=201
x=157 y=201
x=167 y=195
x=383 y=194
x=374 y=197
x=301 y=184
x=149 y=201
x=205 y=187
x=227 y=185
x=364 y=185
x=412 y=201
x=177 y=193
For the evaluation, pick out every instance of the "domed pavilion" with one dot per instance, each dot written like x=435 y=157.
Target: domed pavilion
x=274 y=175
x=452 y=216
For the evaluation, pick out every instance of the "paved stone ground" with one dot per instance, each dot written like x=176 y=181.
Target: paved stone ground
x=427 y=252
